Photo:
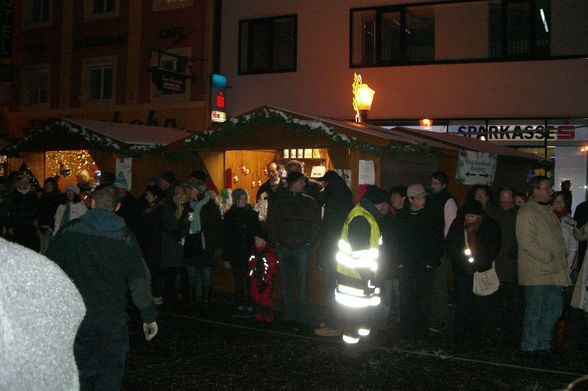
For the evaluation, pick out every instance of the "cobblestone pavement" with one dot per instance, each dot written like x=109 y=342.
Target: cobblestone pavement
x=217 y=352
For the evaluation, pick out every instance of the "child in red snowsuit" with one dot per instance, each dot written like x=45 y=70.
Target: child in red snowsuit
x=263 y=265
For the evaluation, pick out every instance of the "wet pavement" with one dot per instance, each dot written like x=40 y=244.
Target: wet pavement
x=213 y=351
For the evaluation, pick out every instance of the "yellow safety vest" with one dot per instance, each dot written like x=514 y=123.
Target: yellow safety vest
x=350 y=263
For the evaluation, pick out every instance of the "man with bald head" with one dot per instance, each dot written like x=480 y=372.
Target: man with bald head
x=273 y=184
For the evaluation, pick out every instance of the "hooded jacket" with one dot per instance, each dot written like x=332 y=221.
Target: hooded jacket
x=102 y=257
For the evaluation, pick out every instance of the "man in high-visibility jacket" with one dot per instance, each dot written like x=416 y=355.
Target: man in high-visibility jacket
x=358 y=258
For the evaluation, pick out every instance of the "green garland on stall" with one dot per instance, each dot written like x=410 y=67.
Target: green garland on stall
x=64 y=128
x=238 y=126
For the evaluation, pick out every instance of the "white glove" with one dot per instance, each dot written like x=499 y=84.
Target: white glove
x=227 y=264
x=150 y=330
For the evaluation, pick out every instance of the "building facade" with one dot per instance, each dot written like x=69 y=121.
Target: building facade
x=511 y=72
x=146 y=61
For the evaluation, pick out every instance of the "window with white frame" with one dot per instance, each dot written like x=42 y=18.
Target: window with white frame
x=162 y=5
x=174 y=60
x=98 y=9
x=34 y=82
x=99 y=82
x=37 y=13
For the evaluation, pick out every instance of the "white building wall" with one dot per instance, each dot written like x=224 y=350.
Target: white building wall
x=322 y=81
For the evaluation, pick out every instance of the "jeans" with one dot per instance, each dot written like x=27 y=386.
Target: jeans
x=200 y=277
x=388 y=305
x=45 y=237
x=241 y=285
x=543 y=306
x=100 y=349
x=294 y=269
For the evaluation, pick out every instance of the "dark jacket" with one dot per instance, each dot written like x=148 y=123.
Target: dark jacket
x=506 y=261
x=47 y=207
x=130 y=209
x=212 y=229
x=173 y=229
x=149 y=234
x=239 y=228
x=23 y=209
x=267 y=188
x=487 y=243
x=416 y=239
x=293 y=220
x=102 y=257
x=338 y=202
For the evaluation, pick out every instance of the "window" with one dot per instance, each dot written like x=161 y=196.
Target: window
x=392 y=35
x=99 y=75
x=161 y=5
x=35 y=85
x=103 y=6
x=468 y=31
x=100 y=9
x=37 y=13
x=520 y=28
x=267 y=45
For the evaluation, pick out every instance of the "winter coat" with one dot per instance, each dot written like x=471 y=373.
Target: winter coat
x=542 y=255
x=23 y=209
x=103 y=259
x=48 y=205
x=172 y=232
x=267 y=188
x=338 y=202
x=239 y=228
x=444 y=206
x=417 y=239
x=567 y=223
x=487 y=246
x=148 y=234
x=506 y=261
x=76 y=210
x=293 y=220
x=212 y=229
x=580 y=296
x=130 y=209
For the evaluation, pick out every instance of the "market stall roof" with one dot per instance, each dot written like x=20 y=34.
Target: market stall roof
x=68 y=133
x=465 y=143
x=259 y=129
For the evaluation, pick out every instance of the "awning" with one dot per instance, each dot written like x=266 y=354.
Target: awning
x=67 y=133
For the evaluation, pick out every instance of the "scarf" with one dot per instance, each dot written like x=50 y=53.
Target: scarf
x=180 y=200
x=471 y=230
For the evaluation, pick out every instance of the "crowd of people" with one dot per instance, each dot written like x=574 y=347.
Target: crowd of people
x=514 y=261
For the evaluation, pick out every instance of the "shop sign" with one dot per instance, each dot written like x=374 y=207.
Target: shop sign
x=507 y=132
x=169 y=81
x=475 y=168
x=218 y=83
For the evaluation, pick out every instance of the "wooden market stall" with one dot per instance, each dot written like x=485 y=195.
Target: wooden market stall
x=69 y=145
x=236 y=153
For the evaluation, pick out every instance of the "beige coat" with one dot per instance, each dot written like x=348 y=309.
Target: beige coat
x=580 y=297
x=542 y=254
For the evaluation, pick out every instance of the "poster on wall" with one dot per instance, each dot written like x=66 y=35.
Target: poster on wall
x=475 y=168
x=124 y=170
x=367 y=172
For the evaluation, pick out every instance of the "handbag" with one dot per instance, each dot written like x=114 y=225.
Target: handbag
x=486 y=283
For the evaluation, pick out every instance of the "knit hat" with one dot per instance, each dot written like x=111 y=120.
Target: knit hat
x=261 y=233
x=416 y=190
x=375 y=195
x=73 y=188
x=473 y=208
x=198 y=185
x=169 y=177
x=121 y=182
x=237 y=194
x=329 y=175
x=294 y=177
